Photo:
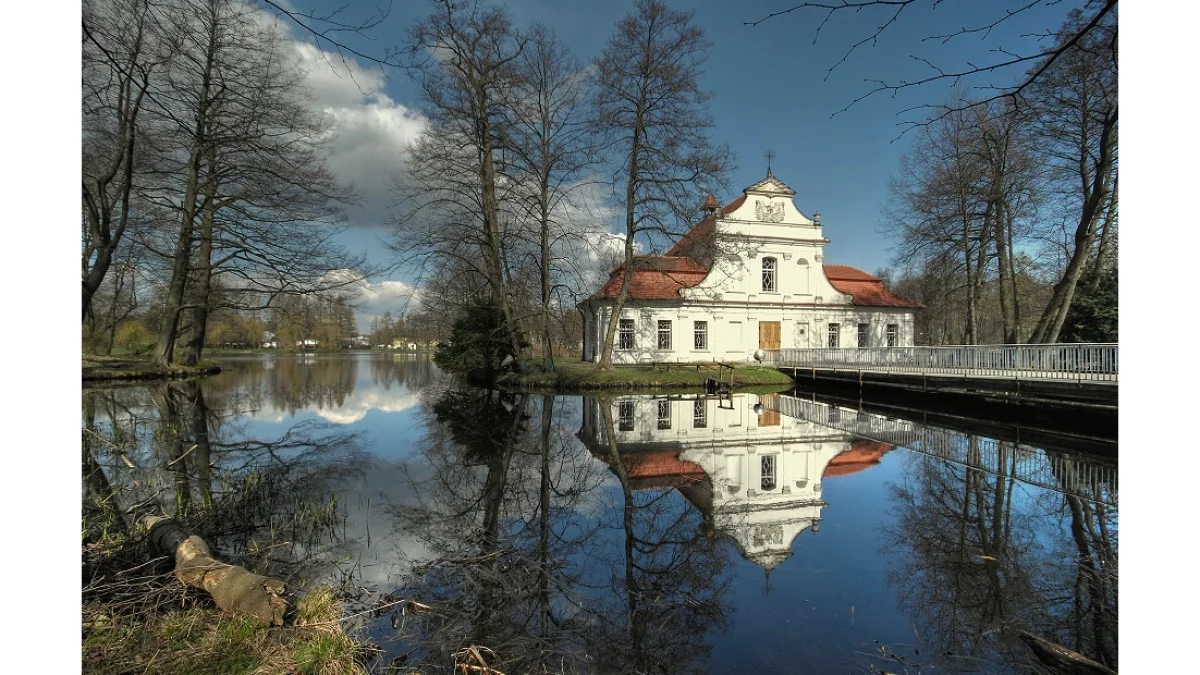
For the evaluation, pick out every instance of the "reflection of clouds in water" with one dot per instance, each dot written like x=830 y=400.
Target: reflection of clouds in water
x=353 y=410
x=273 y=416
x=358 y=405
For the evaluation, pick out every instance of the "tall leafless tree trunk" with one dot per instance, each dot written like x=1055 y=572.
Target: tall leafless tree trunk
x=650 y=105
x=462 y=63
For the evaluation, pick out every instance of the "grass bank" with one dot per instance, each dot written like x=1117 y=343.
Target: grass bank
x=99 y=368
x=577 y=376
x=186 y=636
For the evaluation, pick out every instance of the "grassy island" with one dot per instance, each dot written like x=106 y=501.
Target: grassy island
x=130 y=368
x=577 y=376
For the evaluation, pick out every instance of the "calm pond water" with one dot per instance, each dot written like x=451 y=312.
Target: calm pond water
x=662 y=534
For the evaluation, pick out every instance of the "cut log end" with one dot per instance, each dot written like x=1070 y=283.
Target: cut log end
x=233 y=588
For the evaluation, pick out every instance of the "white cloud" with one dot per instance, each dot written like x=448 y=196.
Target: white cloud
x=358 y=405
x=370 y=130
x=373 y=299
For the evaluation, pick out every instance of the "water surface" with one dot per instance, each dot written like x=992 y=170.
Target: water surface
x=680 y=533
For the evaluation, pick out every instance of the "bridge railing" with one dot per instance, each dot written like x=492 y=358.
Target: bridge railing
x=1068 y=361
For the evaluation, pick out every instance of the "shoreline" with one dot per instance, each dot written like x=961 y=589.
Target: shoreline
x=578 y=377
x=115 y=369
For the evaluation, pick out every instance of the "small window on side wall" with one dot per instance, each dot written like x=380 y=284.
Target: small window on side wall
x=835 y=330
x=700 y=335
x=625 y=334
x=625 y=415
x=893 y=335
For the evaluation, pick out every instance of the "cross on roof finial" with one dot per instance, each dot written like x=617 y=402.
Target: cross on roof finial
x=769 y=154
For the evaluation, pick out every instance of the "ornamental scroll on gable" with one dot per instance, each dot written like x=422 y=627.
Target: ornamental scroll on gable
x=768 y=212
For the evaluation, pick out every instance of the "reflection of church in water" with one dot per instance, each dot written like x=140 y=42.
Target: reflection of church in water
x=755 y=475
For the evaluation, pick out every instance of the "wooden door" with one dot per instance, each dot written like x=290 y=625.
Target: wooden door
x=768 y=335
x=769 y=418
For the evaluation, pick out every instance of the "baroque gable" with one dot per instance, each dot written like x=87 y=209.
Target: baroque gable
x=771 y=186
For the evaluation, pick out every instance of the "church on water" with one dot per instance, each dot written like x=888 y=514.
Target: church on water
x=751 y=275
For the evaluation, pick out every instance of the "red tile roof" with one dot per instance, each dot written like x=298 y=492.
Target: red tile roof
x=864 y=289
x=847 y=273
x=660 y=465
x=862 y=455
x=655 y=278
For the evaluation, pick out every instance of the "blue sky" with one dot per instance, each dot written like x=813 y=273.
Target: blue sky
x=773 y=90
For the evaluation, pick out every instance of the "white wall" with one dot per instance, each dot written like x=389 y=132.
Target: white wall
x=733 y=330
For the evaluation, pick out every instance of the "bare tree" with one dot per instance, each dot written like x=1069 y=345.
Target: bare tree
x=120 y=55
x=1076 y=103
x=940 y=203
x=461 y=57
x=548 y=138
x=245 y=186
x=1031 y=65
x=651 y=110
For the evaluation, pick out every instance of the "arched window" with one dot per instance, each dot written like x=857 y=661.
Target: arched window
x=769 y=267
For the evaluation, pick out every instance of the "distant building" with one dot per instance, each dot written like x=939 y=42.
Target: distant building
x=750 y=275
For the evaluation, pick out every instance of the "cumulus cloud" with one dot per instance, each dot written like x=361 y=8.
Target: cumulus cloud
x=370 y=130
x=372 y=299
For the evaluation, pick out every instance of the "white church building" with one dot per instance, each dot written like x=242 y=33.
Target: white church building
x=751 y=275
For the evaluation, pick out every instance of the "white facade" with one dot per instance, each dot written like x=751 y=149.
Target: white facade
x=768 y=269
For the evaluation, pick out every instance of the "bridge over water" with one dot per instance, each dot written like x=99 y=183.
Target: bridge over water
x=1073 y=374
x=1088 y=478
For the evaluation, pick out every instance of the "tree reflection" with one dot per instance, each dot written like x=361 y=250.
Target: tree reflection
x=526 y=561
x=262 y=501
x=975 y=569
x=671 y=592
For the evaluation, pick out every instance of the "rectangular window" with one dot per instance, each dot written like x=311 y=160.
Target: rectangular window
x=664 y=334
x=863 y=334
x=700 y=335
x=893 y=335
x=664 y=414
x=625 y=331
x=768 y=473
x=699 y=414
x=835 y=330
x=625 y=415
x=768 y=275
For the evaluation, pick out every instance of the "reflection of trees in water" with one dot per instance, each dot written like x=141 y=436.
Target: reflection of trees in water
x=669 y=587
x=1088 y=621
x=413 y=372
x=288 y=384
x=169 y=446
x=975 y=566
x=526 y=561
x=310 y=381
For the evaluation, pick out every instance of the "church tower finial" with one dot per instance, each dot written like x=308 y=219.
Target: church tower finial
x=769 y=155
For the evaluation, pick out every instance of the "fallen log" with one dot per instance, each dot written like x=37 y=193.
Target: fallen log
x=233 y=588
x=1062 y=661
